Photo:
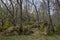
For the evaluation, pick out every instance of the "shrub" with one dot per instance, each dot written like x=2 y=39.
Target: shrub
x=58 y=28
x=16 y=28
x=6 y=25
x=28 y=23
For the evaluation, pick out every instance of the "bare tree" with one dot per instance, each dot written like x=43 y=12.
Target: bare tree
x=51 y=27
x=57 y=8
x=20 y=18
x=10 y=12
x=37 y=14
x=28 y=19
x=13 y=21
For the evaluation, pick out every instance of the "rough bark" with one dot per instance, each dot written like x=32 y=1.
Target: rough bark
x=51 y=27
x=20 y=24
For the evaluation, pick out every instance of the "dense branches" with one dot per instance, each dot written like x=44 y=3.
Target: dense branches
x=28 y=13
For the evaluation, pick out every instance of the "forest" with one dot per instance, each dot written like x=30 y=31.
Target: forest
x=29 y=19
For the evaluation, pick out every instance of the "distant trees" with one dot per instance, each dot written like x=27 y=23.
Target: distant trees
x=27 y=13
x=56 y=13
x=37 y=14
x=1 y=17
x=21 y=13
x=57 y=8
x=11 y=12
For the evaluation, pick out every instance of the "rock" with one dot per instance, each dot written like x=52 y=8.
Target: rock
x=10 y=29
x=15 y=33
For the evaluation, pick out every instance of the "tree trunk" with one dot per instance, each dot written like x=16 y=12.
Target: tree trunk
x=51 y=27
x=21 y=26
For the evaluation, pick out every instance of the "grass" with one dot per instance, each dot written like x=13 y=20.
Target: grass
x=24 y=37
x=34 y=36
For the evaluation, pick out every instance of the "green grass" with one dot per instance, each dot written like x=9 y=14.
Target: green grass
x=31 y=37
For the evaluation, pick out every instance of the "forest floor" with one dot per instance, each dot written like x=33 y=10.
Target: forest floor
x=34 y=36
